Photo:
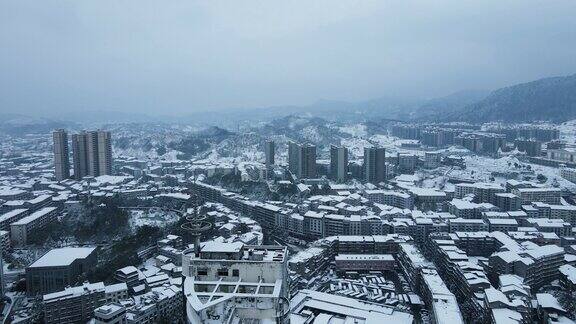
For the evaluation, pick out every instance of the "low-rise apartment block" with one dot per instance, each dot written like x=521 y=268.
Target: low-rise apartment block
x=22 y=229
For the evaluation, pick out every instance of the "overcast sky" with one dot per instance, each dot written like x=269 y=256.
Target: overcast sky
x=162 y=57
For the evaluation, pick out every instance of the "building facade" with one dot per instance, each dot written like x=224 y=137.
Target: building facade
x=80 y=155
x=338 y=163
x=374 y=164
x=302 y=160
x=269 y=151
x=61 y=155
x=57 y=269
x=92 y=153
x=239 y=282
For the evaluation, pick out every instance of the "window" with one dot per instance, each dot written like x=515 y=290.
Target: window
x=202 y=272
x=235 y=273
x=223 y=272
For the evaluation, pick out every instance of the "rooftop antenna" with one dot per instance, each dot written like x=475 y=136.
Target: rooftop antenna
x=196 y=224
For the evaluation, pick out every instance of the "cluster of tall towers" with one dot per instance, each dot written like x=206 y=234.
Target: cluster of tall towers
x=302 y=161
x=91 y=154
x=374 y=164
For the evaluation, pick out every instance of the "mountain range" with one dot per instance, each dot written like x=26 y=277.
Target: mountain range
x=549 y=99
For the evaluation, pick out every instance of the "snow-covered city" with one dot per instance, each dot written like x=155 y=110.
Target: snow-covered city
x=309 y=220
x=287 y=162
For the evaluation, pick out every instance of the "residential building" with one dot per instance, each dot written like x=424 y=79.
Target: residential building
x=538 y=265
x=128 y=275
x=507 y=201
x=58 y=269
x=564 y=155
x=432 y=159
x=61 y=155
x=406 y=162
x=531 y=147
x=269 y=152
x=92 y=153
x=302 y=160
x=12 y=216
x=546 y=195
x=568 y=277
x=77 y=304
x=390 y=198
x=104 y=152
x=338 y=163
x=469 y=210
x=164 y=303
x=293 y=157
x=468 y=225
x=568 y=174
x=80 y=155
x=374 y=164
x=427 y=198
x=502 y=224
x=483 y=192
x=21 y=230
x=110 y=314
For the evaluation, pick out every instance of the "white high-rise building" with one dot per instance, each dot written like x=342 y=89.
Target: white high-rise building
x=61 y=152
x=236 y=283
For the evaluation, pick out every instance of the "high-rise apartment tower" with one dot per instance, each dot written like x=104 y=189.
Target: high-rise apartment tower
x=374 y=164
x=338 y=163
x=61 y=152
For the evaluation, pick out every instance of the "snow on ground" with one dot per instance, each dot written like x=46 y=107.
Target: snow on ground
x=356 y=130
x=152 y=217
x=170 y=155
x=393 y=145
x=310 y=133
x=553 y=176
x=355 y=146
x=481 y=168
x=295 y=121
x=568 y=131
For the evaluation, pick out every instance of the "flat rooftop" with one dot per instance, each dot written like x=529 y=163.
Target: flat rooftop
x=62 y=257
x=238 y=251
x=345 y=310
x=11 y=214
x=34 y=216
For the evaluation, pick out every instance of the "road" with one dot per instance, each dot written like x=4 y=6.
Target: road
x=16 y=300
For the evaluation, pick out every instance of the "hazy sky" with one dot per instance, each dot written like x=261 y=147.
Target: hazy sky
x=162 y=57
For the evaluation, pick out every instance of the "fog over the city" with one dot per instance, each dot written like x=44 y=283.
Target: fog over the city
x=176 y=57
